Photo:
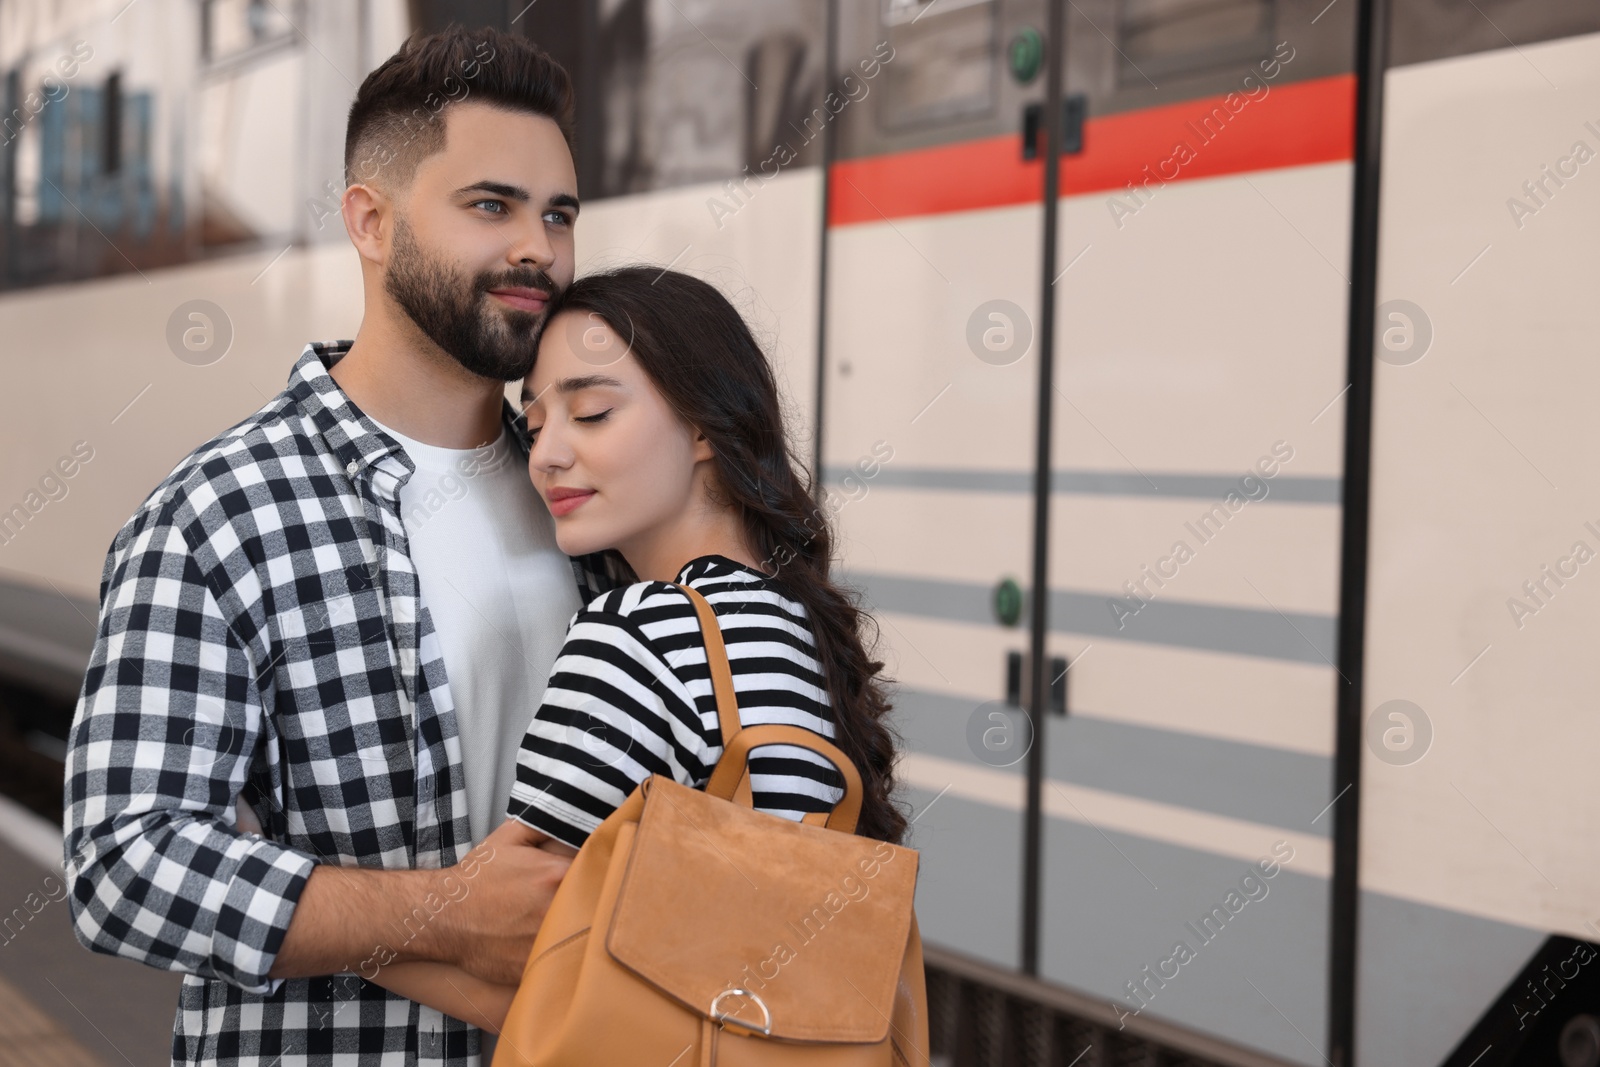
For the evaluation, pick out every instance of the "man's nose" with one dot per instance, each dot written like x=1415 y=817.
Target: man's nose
x=532 y=247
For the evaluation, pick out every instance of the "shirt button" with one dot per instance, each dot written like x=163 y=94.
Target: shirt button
x=350 y=468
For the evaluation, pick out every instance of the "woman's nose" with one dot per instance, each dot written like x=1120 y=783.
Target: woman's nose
x=549 y=452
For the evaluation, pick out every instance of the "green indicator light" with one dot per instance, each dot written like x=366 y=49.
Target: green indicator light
x=1008 y=602
x=1025 y=54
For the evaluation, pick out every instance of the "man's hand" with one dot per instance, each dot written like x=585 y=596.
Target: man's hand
x=481 y=915
x=511 y=881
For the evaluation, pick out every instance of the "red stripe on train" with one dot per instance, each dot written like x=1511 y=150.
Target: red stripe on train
x=1293 y=125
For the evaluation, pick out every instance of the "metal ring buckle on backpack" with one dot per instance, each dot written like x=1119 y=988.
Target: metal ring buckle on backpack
x=765 y=1029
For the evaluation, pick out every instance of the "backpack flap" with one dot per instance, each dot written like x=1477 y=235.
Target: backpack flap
x=811 y=922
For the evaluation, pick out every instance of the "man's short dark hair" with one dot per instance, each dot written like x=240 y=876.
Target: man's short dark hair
x=397 y=119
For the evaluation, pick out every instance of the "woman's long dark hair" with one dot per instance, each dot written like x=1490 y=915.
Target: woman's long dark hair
x=700 y=354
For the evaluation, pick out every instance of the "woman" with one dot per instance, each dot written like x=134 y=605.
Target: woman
x=657 y=433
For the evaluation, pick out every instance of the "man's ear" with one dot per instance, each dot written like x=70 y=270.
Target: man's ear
x=366 y=214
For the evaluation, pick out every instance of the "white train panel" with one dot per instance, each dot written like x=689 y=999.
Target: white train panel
x=1481 y=481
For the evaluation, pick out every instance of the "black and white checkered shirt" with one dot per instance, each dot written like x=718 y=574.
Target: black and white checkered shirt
x=262 y=633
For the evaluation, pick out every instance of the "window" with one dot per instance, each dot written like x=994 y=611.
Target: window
x=946 y=61
x=232 y=28
x=667 y=88
x=1166 y=38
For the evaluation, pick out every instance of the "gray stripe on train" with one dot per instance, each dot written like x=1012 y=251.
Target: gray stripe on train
x=1283 y=489
x=1294 y=636
x=1254 y=783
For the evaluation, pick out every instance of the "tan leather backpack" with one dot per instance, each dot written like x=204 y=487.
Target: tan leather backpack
x=693 y=930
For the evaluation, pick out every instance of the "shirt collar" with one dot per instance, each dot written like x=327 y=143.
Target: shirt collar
x=352 y=436
x=720 y=566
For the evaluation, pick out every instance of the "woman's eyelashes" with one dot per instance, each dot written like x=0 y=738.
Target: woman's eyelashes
x=599 y=416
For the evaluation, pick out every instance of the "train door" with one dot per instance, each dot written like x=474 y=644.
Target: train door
x=1477 y=833
x=1194 y=528
x=929 y=398
x=1180 y=756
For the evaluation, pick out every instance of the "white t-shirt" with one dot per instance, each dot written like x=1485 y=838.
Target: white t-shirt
x=501 y=594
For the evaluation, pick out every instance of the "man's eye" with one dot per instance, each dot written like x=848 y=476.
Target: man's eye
x=558 y=217
x=494 y=207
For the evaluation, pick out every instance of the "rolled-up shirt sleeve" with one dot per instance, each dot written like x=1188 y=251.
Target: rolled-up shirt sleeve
x=168 y=720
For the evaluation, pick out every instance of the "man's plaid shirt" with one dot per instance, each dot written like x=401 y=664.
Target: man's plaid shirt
x=262 y=632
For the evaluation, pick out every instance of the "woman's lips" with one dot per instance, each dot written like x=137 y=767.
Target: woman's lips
x=522 y=299
x=564 y=501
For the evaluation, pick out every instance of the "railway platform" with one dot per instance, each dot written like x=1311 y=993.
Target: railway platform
x=60 y=1005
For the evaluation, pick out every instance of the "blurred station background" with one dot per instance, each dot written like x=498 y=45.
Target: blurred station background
x=1222 y=371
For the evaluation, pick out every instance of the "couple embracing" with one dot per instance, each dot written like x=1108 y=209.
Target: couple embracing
x=373 y=664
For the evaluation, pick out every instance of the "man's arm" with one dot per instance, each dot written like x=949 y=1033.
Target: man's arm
x=167 y=720
x=446 y=986
x=451 y=990
x=480 y=915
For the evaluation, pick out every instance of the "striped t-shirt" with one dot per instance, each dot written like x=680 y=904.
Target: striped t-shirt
x=630 y=696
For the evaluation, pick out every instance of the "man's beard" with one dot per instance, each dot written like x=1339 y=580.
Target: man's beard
x=491 y=342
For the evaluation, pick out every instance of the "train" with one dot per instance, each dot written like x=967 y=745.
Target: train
x=1201 y=389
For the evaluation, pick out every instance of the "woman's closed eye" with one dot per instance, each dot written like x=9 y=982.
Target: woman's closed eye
x=599 y=416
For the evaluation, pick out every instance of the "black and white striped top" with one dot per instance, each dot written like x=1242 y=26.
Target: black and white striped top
x=630 y=696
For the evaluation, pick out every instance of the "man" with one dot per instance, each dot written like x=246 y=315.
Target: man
x=313 y=667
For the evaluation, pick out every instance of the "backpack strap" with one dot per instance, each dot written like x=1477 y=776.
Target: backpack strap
x=732 y=768
x=717 y=661
x=737 y=742
x=721 y=683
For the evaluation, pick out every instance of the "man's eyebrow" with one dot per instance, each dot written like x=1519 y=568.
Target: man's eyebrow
x=510 y=192
x=564 y=200
x=572 y=385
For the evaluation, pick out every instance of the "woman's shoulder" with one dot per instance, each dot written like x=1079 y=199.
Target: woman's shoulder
x=717 y=578
x=661 y=614
x=643 y=621
x=637 y=602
